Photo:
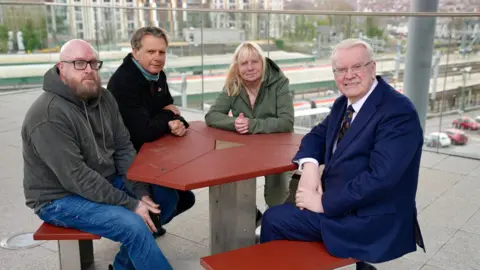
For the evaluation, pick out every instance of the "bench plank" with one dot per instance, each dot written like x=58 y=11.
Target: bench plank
x=279 y=255
x=50 y=232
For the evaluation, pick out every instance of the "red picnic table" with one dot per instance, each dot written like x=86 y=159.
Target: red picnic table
x=226 y=162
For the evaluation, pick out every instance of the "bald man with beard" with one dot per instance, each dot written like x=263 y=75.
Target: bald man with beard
x=76 y=153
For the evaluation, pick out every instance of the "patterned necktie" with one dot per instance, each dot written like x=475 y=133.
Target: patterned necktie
x=347 y=120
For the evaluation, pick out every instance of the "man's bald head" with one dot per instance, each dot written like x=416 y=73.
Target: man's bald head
x=78 y=68
x=76 y=48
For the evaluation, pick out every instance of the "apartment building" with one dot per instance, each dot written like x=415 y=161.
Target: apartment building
x=256 y=25
x=104 y=21
x=108 y=22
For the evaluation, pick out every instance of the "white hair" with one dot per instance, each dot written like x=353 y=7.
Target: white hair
x=350 y=43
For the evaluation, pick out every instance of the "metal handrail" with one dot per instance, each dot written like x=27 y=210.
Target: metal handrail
x=263 y=11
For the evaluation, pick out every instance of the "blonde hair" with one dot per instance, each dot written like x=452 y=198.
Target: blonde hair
x=234 y=81
x=350 y=43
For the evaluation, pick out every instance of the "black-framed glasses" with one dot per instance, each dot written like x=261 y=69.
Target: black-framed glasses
x=82 y=64
x=355 y=69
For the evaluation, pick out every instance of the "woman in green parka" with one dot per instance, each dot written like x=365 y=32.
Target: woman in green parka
x=258 y=95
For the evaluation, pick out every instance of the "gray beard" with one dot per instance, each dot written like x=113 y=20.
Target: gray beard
x=84 y=92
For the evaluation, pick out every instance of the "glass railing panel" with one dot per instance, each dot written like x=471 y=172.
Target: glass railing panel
x=29 y=43
x=454 y=101
x=185 y=66
x=202 y=46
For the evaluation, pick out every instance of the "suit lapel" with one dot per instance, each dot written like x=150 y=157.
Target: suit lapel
x=361 y=119
x=334 y=127
x=358 y=124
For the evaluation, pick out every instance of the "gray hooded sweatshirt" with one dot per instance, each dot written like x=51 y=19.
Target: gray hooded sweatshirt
x=74 y=147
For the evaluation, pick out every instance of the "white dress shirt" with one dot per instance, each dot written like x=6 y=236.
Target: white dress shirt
x=356 y=106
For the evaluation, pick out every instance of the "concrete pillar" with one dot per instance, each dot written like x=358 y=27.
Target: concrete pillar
x=254 y=21
x=421 y=34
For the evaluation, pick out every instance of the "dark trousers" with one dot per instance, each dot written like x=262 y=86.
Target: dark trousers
x=178 y=201
x=288 y=222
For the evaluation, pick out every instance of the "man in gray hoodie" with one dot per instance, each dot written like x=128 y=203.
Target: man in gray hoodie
x=76 y=153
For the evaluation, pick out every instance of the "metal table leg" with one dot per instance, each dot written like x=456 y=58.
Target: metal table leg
x=232 y=215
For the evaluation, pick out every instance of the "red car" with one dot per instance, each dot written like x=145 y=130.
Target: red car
x=457 y=136
x=465 y=122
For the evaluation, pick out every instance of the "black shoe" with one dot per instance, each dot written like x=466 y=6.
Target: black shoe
x=160 y=232
x=365 y=266
x=110 y=267
x=258 y=218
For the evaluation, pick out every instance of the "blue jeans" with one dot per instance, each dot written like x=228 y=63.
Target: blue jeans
x=139 y=249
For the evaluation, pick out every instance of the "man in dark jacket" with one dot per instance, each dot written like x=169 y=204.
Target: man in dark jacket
x=76 y=152
x=146 y=105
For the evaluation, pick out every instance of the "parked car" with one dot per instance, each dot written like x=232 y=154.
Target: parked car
x=457 y=136
x=465 y=122
x=437 y=139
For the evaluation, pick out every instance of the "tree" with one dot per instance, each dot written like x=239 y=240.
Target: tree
x=3 y=39
x=304 y=28
x=340 y=23
x=31 y=36
x=371 y=29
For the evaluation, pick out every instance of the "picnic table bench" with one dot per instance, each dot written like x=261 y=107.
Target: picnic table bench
x=75 y=248
x=278 y=255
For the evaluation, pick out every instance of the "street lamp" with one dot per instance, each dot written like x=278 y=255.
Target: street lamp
x=454 y=70
x=467 y=70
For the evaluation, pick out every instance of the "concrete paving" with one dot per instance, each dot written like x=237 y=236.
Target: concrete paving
x=448 y=202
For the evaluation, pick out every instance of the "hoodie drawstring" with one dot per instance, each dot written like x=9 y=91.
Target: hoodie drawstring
x=91 y=131
x=103 y=129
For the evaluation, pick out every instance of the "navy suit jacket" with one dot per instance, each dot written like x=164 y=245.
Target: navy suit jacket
x=371 y=179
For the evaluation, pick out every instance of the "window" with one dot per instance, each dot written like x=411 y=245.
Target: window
x=107 y=15
x=130 y=15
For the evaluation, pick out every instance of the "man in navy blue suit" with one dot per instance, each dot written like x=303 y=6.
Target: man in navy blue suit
x=363 y=204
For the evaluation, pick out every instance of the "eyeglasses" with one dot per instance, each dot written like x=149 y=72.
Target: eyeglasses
x=355 y=69
x=82 y=64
